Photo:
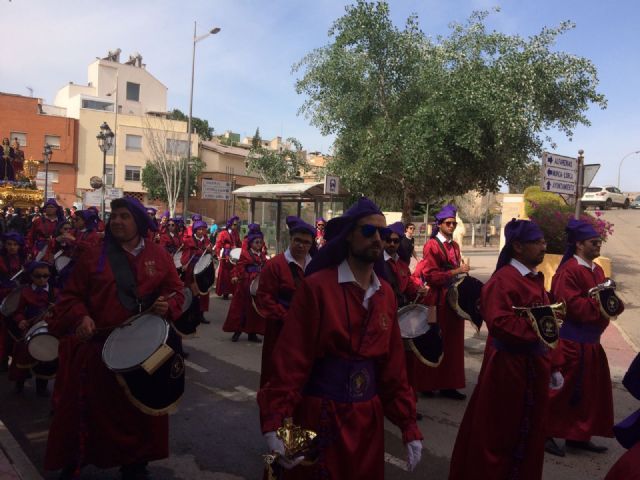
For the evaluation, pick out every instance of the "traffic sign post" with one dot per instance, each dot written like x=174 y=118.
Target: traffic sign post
x=559 y=173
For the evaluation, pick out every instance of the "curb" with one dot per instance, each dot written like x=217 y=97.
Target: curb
x=15 y=455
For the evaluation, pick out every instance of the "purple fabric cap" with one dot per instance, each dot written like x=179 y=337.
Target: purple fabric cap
x=577 y=231
x=198 y=224
x=398 y=228
x=253 y=228
x=627 y=432
x=33 y=265
x=448 y=211
x=166 y=214
x=15 y=236
x=151 y=211
x=253 y=236
x=143 y=221
x=320 y=220
x=517 y=231
x=59 y=210
x=89 y=217
x=235 y=218
x=336 y=232
x=196 y=217
x=297 y=225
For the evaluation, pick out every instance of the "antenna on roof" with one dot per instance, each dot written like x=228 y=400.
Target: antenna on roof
x=30 y=91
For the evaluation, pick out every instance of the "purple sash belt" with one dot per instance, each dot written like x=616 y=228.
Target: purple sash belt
x=342 y=380
x=252 y=269
x=527 y=349
x=580 y=333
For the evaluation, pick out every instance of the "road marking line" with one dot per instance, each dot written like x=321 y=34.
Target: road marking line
x=195 y=366
x=395 y=461
x=234 y=396
x=247 y=391
x=626 y=338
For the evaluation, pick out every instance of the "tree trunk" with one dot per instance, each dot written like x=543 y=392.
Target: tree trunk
x=473 y=234
x=408 y=202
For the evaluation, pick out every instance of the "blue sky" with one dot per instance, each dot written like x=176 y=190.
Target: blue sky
x=243 y=75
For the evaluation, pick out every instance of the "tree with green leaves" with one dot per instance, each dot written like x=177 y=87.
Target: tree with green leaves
x=153 y=182
x=417 y=117
x=201 y=127
x=276 y=166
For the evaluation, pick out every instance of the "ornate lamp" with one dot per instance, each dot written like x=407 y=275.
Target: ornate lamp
x=31 y=168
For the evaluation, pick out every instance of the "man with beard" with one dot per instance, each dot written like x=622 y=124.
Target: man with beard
x=94 y=421
x=584 y=407
x=338 y=365
x=503 y=430
x=279 y=280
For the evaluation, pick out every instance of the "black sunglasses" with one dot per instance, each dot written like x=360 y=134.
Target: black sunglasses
x=370 y=230
x=449 y=224
x=392 y=240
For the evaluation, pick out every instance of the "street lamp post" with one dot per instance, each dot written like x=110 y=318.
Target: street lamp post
x=105 y=140
x=620 y=165
x=46 y=157
x=196 y=39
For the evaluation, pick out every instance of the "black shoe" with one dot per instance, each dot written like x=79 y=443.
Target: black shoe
x=225 y=297
x=235 y=337
x=419 y=416
x=67 y=473
x=135 y=471
x=550 y=446
x=185 y=355
x=41 y=388
x=588 y=446
x=254 y=338
x=19 y=388
x=428 y=393
x=4 y=365
x=453 y=394
x=205 y=321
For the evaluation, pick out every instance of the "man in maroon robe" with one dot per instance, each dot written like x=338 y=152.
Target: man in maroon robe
x=44 y=228
x=227 y=240
x=280 y=278
x=440 y=264
x=503 y=430
x=94 y=422
x=338 y=364
x=194 y=248
x=584 y=407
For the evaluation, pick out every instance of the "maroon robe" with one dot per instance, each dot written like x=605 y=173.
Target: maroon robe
x=627 y=467
x=86 y=240
x=225 y=242
x=503 y=430
x=242 y=315
x=431 y=269
x=94 y=419
x=32 y=304
x=9 y=266
x=42 y=230
x=583 y=407
x=317 y=328
x=171 y=243
x=273 y=299
x=192 y=250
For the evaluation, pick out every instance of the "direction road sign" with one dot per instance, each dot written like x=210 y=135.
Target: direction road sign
x=560 y=161
x=559 y=187
x=552 y=173
x=589 y=174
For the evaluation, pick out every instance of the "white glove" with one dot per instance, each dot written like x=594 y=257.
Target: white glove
x=414 y=454
x=276 y=445
x=557 y=381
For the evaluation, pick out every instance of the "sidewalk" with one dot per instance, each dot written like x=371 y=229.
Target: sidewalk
x=14 y=464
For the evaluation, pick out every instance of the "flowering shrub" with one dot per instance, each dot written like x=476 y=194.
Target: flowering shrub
x=552 y=217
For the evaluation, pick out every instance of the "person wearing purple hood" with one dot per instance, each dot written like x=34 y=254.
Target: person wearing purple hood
x=338 y=364
x=584 y=407
x=95 y=422
x=44 y=228
x=441 y=263
x=227 y=240
x=502 y=433
x=320 y=223
x=192 y=249
x=279 y=280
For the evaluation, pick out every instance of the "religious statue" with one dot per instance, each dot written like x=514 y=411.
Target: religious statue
x=18 y=159
x=7 y=156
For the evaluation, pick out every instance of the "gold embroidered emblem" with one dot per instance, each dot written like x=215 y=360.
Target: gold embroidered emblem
x=384 y=321
x=150 y=267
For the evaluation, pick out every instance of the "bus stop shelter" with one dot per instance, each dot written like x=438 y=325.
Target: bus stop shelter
x=270 y=204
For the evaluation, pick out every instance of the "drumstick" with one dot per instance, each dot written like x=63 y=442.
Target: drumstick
x=131 y=319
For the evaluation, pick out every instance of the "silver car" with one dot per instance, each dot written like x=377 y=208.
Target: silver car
x=636 y=202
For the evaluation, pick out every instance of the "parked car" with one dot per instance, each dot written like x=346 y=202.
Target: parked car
x=636 y=202
x=605 y=198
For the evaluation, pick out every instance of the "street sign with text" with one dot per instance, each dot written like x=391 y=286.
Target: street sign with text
x=215 y=189
x=557 y=186
x=552 y=173
x=559 y=173
x=559 y=162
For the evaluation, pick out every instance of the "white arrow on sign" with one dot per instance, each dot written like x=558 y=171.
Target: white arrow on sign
x=560 y=161
x=557 y=186
x=559 y=174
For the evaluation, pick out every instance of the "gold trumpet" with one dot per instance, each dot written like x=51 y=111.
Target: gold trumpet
x=297 y=441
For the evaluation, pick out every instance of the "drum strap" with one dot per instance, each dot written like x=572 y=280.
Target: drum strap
x=447 y=265
x=295 y=273
x=125 y=281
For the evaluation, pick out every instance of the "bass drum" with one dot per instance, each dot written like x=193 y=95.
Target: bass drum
x=41 y=345
x=204 y=274
x=187 y=325
x=464 y=298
